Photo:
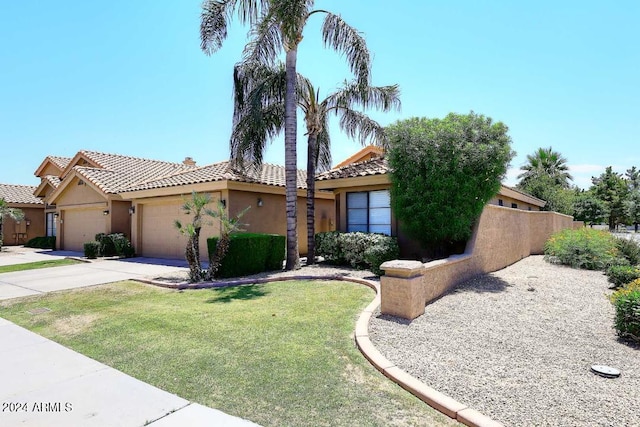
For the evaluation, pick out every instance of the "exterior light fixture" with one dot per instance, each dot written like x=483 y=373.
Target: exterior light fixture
x=28 y=223
x=132 y=210
x=260 y=202
x=56 y=215
x=223 y=202
x=105 y=212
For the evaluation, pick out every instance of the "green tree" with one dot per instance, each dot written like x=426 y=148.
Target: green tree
x=632 y=203
x=545 y=187
x=443 y=173
x=589 y=208
x=545 y=162
x=611 y=188
x=278 y=25
x=258 y=117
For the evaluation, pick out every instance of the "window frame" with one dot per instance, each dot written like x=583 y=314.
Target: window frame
x=368 y=209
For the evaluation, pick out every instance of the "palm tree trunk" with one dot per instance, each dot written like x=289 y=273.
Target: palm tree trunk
x=291 y=160
x=311 y=189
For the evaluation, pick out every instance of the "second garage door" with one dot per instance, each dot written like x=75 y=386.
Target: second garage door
x=81 y=226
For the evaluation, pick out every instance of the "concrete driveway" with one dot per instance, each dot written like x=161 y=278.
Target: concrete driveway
x=33 y=282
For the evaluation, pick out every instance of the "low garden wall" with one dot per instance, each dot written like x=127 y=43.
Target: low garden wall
x=501 y=237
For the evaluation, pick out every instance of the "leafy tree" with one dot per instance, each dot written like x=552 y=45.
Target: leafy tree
x=589 y=208
x=545 y=187
x=443 y=173
x=278 y=25
x=259 y=111
x=632 y=204
x=7 y=212
x=611 y=188
x=546 y=163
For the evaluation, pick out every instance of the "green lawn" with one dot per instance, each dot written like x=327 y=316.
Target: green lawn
x=37 y=264
x=280 y=354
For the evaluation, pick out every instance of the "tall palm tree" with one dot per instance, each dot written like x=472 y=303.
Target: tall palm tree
x=545 y=162
x=259 y=106
x=278 y=25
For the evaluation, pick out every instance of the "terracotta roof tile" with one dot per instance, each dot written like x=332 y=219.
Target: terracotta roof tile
x=269 y=175
x=61 y=162
x=53 y=180
x=378 y=166
x=116 y=172
x=19 y=194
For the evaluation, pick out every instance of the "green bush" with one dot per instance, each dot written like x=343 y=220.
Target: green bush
x=582 y=248
x=629 y=249
x=42 y=242
x=250 y=253
x=360 y=250
x=620 y=275
x=328 y=246
x=107 y=248
x=114 y=244
x=91 y=249
x=627 y=303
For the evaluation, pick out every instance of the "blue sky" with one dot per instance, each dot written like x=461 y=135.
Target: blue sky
x=128 y=77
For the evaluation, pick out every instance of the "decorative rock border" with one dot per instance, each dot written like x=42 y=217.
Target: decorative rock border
x=430 y=396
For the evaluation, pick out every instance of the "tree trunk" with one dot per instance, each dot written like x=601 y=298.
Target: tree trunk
x=291 y=160
x=311 y=189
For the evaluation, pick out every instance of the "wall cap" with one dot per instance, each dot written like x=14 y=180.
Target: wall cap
x=402 y=268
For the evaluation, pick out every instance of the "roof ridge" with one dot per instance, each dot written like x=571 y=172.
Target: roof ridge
x=131 y=157
x=19 y=185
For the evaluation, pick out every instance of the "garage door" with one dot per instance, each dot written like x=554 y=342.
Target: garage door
x=81 y=226
x=160 y=238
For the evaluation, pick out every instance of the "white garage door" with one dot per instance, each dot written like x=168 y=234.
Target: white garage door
x=81 y=226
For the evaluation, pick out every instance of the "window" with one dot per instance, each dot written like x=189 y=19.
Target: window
x=51 y=224
x=500 y=202
x=514 y=205
x=369 y=211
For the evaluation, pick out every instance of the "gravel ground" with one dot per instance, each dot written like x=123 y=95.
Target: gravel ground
x=518 y=344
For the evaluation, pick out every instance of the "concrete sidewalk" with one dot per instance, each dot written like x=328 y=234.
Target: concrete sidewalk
x=45 y=384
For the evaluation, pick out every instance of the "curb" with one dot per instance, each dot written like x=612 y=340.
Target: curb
x=439 y=401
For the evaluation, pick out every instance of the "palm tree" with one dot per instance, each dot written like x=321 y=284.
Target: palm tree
x=278 y=25
x=259 y=106
x=6 y=211
x=545 y=162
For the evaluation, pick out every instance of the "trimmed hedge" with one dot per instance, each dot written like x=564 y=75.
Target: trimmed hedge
x=627 y=303
x=360 y=250
x=91 y=250
x=42 y=242
x=114 y=244
x=250 y=253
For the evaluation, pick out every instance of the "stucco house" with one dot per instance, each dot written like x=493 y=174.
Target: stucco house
x=107 y=193
x=21 y=197
x=361 y=186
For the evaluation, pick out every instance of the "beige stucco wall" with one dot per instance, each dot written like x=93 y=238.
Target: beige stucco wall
x=119 y=220
x=50 y=169
x=74 y=195
x=271 y=216
x=18 y=234
x=501 y=237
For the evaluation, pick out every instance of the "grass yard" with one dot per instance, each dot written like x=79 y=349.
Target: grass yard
x=277 y=354
x=37 y=264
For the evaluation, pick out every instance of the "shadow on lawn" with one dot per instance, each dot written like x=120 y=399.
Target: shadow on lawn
x=240 y=293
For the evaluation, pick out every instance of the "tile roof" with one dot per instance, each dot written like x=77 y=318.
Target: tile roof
x=19 y=194
x=116 y=172
x=53 y=180
x=378 y=166
x=268 y=175
x=61 y=162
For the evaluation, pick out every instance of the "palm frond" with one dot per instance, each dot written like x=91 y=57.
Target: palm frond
x=339 y=35
x=323 y=147
x=352 y=94
x=266 y=41
x=359 y=126
x=216 y=14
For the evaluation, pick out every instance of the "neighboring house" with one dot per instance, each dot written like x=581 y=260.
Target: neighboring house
x=108 y=193
x=361 y=186
x=21 y=197
x=49 y=172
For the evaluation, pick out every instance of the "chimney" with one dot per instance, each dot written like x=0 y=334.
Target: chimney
x=188 y=161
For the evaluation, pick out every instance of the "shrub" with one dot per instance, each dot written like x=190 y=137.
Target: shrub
x=250 y=253
x=582 y=248
x=114 y=244
x=629 y=249
x=360 y=250
x=42 y=242
x=107 y=248
x=328 y=246
x=627 y=303
x=620 y=275
x=91 y=249
x=444 y=171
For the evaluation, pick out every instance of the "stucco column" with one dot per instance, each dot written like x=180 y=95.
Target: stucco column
x=401 y=289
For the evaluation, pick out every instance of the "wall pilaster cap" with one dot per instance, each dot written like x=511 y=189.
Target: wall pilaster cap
x=402 y=268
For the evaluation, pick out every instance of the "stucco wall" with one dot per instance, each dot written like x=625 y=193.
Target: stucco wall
x=271 y=216
x=502 y=236
x=33 y=216
x=76 y=194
